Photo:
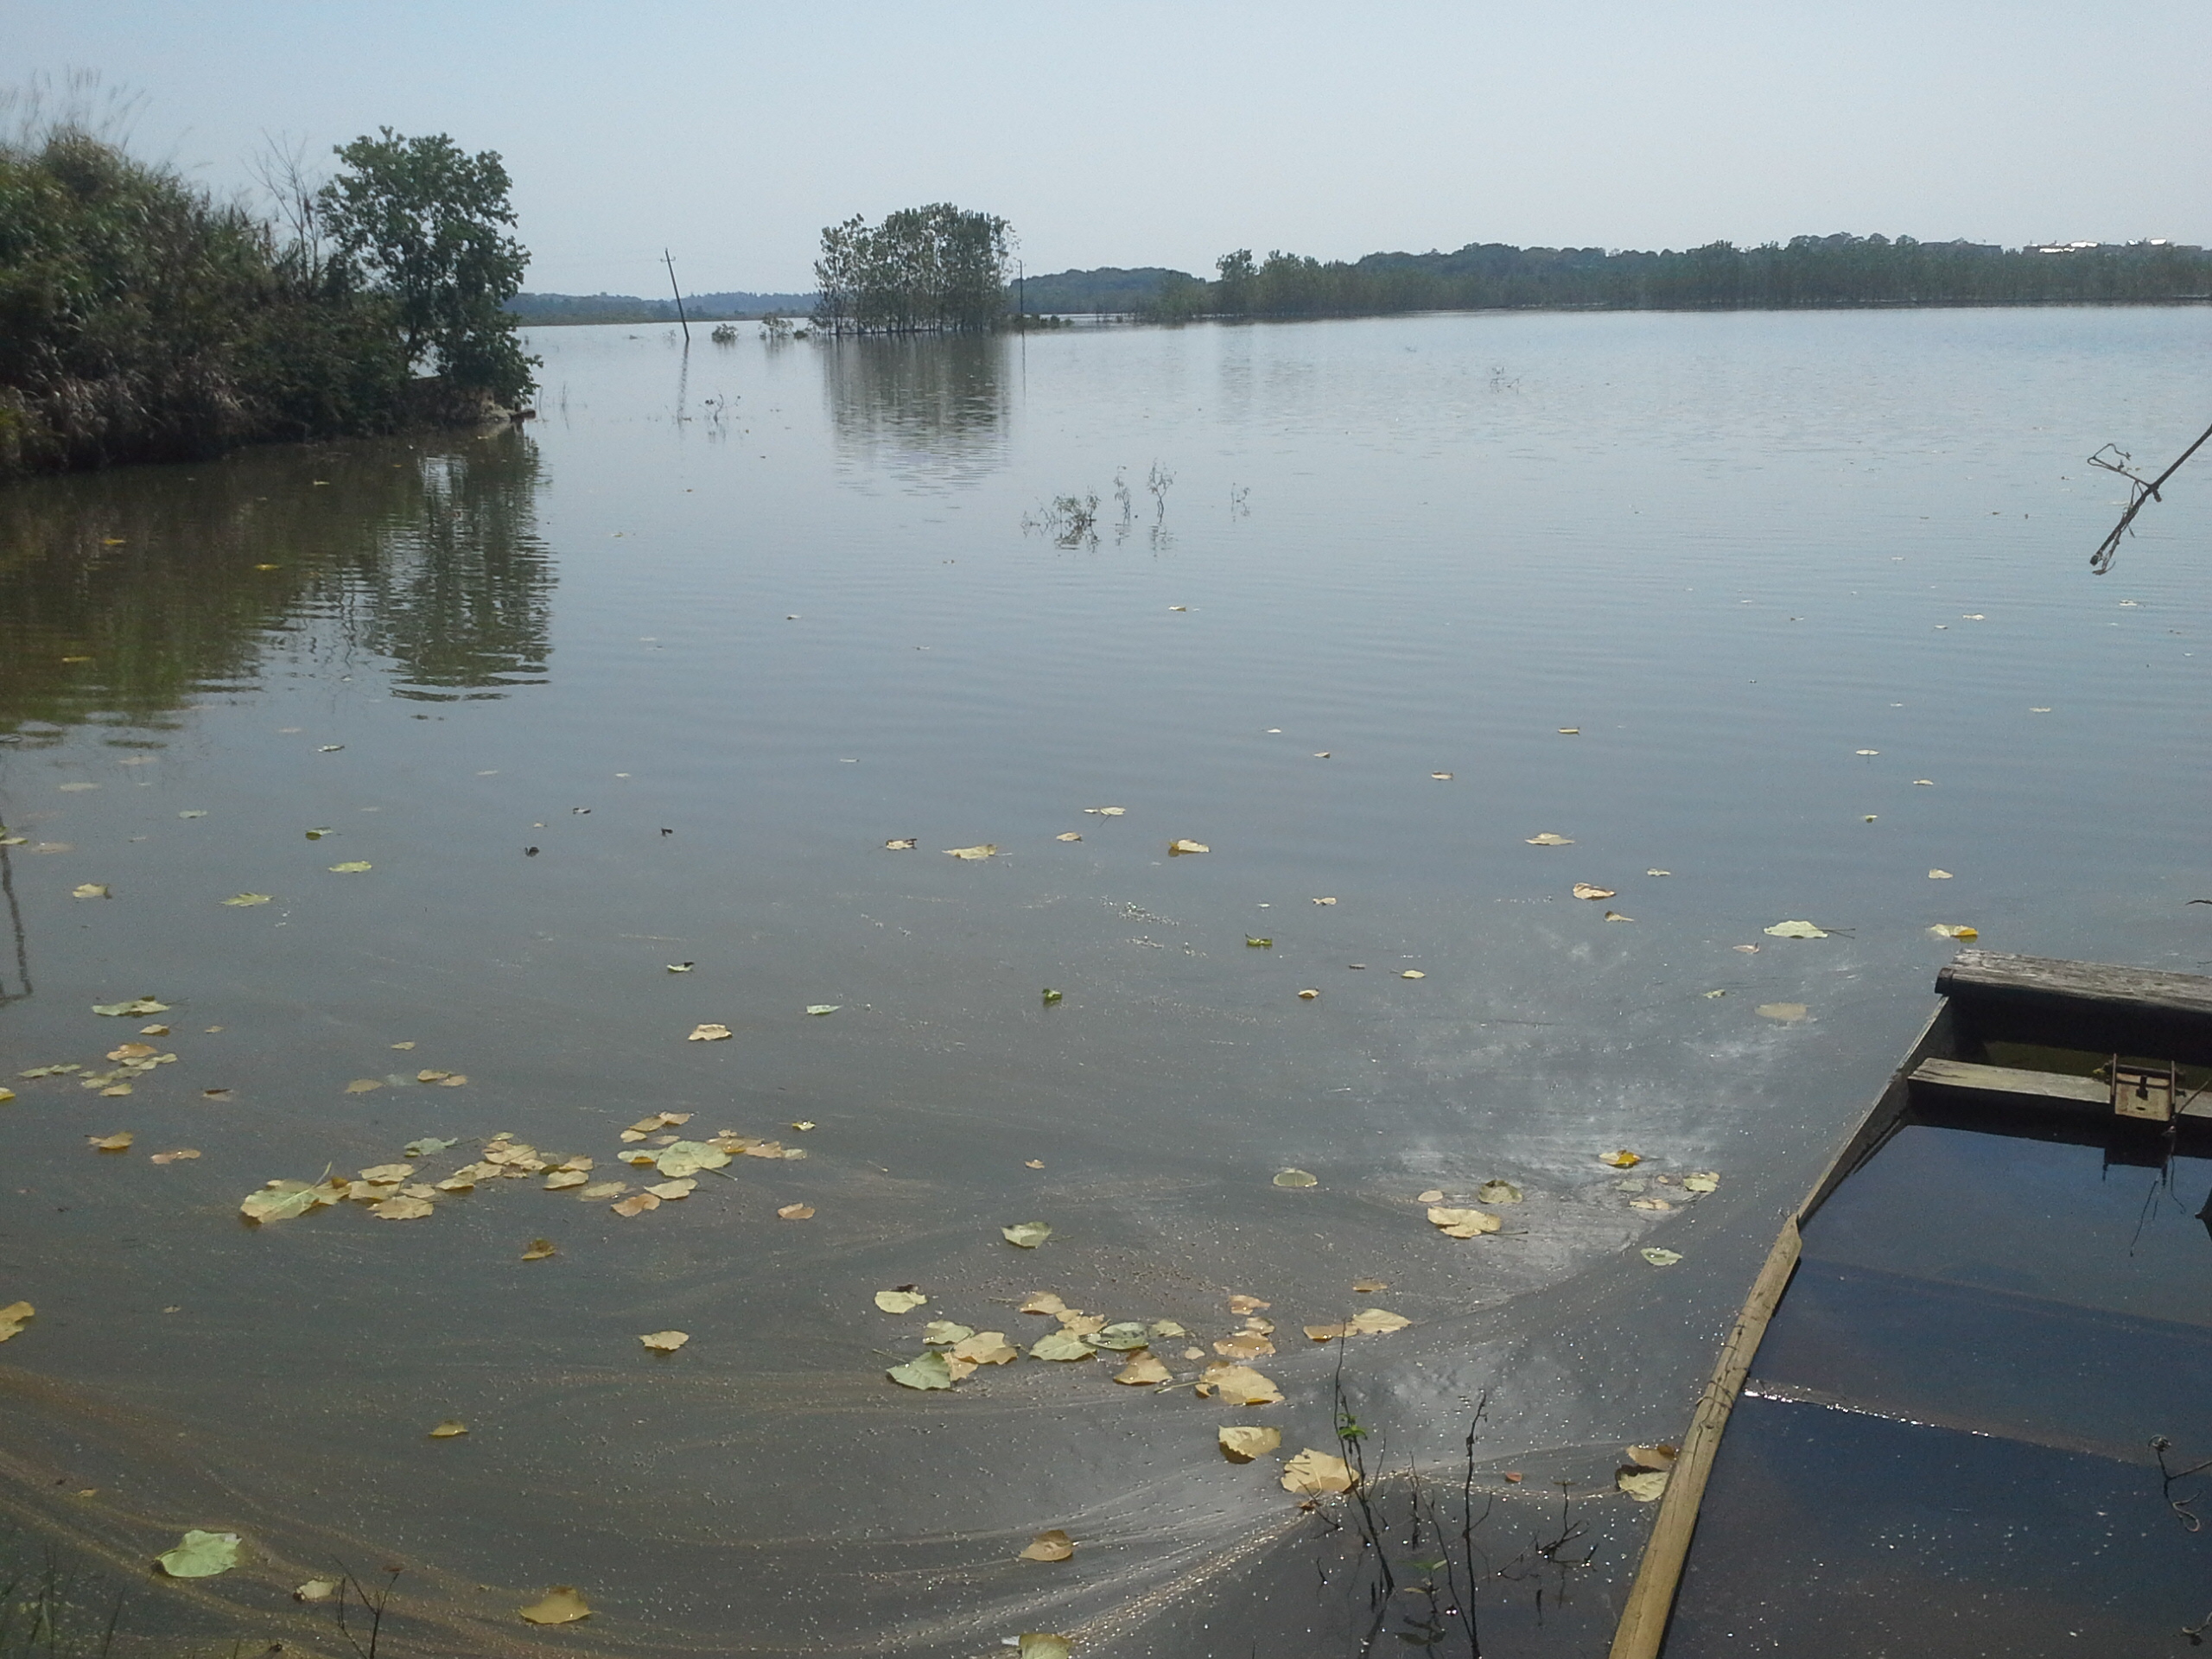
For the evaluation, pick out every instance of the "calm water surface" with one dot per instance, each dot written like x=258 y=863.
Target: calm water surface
x=720 y=625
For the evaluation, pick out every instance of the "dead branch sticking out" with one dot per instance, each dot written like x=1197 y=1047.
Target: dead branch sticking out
x=2113 y=459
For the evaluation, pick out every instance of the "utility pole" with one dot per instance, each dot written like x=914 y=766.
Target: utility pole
x=678 y=292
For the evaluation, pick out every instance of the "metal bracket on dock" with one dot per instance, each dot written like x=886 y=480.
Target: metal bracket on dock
x=2147 y=1093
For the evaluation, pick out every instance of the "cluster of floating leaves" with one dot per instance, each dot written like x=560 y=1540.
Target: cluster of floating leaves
x=1146 y=1354
x=402 y=1192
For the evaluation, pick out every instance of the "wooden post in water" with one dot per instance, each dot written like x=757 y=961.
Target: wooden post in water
x=678 y=292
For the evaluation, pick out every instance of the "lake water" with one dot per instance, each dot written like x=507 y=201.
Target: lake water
x=719 y=625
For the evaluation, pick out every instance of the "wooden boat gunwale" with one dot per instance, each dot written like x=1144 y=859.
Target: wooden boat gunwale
x=2026 y=998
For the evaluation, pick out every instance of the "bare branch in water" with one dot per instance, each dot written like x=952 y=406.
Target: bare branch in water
x=2113 y=459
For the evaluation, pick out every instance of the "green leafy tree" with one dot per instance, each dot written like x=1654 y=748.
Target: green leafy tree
x=427 y=225
x=939 y=267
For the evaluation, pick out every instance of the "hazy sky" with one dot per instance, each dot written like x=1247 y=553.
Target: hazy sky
x=1134 y=134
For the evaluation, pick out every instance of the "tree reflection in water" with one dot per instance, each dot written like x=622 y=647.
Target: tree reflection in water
x=126 y=596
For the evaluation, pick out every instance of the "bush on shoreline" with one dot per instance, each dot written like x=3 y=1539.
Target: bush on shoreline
x=141 y=320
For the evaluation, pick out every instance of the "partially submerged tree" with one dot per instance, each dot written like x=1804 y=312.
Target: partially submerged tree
x=425 y=225
x=923 y=268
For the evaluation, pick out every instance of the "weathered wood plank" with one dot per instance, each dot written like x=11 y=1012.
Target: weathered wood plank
x=1643 y=1626
x=2080 y=1005
x=1974 y=974
x=1651 y=1598
x=2046 y=1086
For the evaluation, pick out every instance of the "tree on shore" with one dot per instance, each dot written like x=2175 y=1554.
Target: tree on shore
x=141 y=319
x=938 y=268
x=426 y=225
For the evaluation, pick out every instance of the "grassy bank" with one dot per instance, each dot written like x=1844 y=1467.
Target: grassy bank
x=143 y=320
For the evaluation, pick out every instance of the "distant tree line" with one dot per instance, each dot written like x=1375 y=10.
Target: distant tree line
x=143 y=320
x=1806 y=271
x=539 y=309
x=923 y=270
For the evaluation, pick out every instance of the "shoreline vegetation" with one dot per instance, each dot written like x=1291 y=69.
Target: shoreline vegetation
x=1839 y=272
x=142 y=319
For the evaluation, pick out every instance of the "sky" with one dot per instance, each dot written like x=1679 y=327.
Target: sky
x=1168 y=134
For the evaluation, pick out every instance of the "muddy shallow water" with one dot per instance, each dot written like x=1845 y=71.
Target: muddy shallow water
x=720 y=625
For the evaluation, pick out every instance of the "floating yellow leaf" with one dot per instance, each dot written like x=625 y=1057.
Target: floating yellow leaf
x=1649 y=1204
x=1659 y=1258
x=451 y=1428
x=201 y=1555
x=986 y=1348
x=1182 y=845
x=136 y=1008
x=1313 y=1473
x=1295 y=1178
x=1644 y=1485
x=929 y=1371
x=708 y=1033
x=1702 y=1180
x=1943 y=931
x=1042 y=1301
x=1615 y=916
x=1142 y=1369
x=796 y=1213
x=351 y=867
x=636 y=1204
x=1463 y=1223
x=1584 y=890
x=1376 y=1322
x=665 y=1342
x=401 y=1208
x=1498 y=1192
x=599 y=1190
x=316 y=1590
x=538 y=1250
x=904 y=1300
x=689 y=1157
x=90 y=890
x=561 y=1180
x=1238 y=1385
x=1253 y=944
x=1070 y=836
x=1547 y=839
x=1622 y=1160
x=1244 y=1344
x=1440 y=776
x=1042 y=1645
x=562 y=1604
x=387 y=1173
x=1240 y=1443
x=671 y=1191
x=1789 y=1012
x=178 y=1156
x=1106 y=811
x=1308 y=995
x=1054 y=1546
x=119 y=1141
x=902 y=844
x=1240 y=1303
x=1796 y=930
x=1062 y=1346
x=14 y=1317
x=241 y=900
x=1368 y=1286
x=1026 y=1235
x=972 y=855
x=1941 y=875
